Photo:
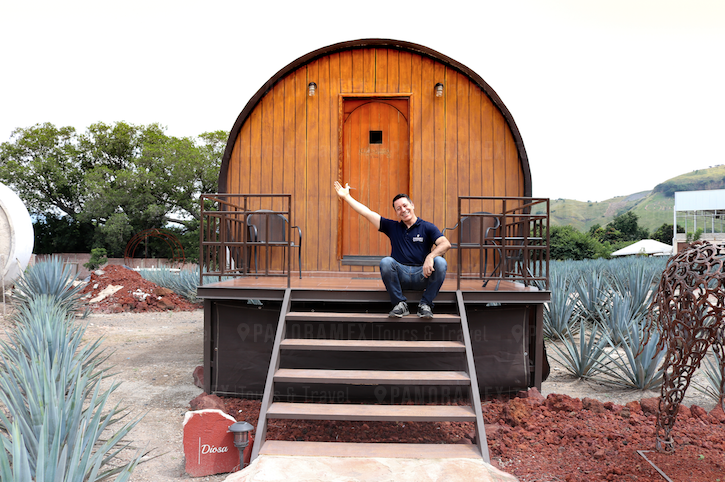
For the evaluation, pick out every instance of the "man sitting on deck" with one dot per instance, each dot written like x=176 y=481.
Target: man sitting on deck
x=417 y=247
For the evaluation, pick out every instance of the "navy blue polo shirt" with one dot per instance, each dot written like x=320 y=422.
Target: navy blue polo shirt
x=410 y=246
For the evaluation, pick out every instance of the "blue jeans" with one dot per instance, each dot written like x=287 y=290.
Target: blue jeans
x=398 y=277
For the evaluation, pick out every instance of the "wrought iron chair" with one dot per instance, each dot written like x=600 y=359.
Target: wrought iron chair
x=269 y=227
x=477 y=231
x=514 y=262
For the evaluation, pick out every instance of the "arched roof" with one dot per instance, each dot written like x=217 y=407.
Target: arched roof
x=379 y=43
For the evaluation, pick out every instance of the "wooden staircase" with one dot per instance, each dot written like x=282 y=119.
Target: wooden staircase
x=271 y=409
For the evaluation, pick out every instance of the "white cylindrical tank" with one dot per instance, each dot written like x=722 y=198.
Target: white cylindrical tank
x=16 y=235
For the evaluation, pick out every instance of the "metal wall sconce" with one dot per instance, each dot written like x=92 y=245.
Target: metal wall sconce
x=439 y=89
x=312 y=88
x=241 y=438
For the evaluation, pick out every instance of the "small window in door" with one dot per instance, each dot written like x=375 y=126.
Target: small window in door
x=376 y=137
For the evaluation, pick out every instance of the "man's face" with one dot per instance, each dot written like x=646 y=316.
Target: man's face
x=404 y=209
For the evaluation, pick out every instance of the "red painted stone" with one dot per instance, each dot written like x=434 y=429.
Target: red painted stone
x=208 y=445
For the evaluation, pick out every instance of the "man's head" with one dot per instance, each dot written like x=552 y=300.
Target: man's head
x=405 y=209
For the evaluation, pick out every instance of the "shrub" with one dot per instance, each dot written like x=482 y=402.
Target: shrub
x=566 y=242
x=98 y=258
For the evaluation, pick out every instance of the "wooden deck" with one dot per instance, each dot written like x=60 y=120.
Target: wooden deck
x=361 y=287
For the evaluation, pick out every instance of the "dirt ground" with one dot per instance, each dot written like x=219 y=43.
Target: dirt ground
x=156 y=352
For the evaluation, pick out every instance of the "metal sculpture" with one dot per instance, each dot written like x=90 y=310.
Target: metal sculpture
x=689 y=311
x=177 y=250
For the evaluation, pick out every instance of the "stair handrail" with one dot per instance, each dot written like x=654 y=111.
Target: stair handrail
x=471 y=370
x=261 y=431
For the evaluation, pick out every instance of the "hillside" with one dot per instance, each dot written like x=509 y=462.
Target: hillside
x=653 y=208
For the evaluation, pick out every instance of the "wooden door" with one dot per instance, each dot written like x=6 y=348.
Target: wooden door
x=376 y=165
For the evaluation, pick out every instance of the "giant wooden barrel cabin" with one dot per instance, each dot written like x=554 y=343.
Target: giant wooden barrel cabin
x=386 y=117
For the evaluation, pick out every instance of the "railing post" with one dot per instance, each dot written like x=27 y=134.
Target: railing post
x=460 y=248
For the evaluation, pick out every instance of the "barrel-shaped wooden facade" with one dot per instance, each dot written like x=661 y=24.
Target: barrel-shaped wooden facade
x=377 y=120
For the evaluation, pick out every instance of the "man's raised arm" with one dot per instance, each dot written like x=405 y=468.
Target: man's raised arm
x=360 y=208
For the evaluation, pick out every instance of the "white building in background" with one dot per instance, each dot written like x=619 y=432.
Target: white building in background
x=700 y=210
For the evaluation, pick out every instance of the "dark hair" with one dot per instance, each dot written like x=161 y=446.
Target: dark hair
x=401 y=195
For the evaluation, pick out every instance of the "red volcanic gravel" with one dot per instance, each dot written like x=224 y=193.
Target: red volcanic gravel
x=554 y=439
x=149 y=297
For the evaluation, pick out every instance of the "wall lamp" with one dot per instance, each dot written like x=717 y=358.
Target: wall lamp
x=439 y=89
x=312 y=88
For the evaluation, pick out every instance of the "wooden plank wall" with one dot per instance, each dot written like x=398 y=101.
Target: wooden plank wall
x=460 y=143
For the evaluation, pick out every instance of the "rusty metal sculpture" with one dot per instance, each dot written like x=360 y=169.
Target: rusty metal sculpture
x=177 y=250
x=689 y=311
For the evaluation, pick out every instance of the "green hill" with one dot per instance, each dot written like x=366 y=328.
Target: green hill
x=653 y=208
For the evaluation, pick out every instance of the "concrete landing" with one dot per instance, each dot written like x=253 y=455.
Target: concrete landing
x=273 y=468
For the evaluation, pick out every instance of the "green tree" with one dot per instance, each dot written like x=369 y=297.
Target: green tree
x=663 y=234
x=150 y=177
x=117 y=178
x=566 y=242
x=607 y=234
x=61 y=234
x=627 y=225
x=42 y=164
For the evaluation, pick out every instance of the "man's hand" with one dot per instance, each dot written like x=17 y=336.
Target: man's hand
x=428 y=266
x=343 y=192
x=361 y=209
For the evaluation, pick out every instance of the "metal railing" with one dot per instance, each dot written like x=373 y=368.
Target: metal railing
x=510 y=242
x=225 y=241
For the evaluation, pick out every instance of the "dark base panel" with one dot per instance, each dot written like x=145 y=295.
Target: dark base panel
x=242 y=334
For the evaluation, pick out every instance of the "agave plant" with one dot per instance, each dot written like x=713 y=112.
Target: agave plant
x=53 y=278
x=55 y=411
x=633 y=363
x=183 y=283
x=713 y=376
x=582 y=355
x=559 y=313
x=43 y=328
x=593 y=292
x=636 y=278
x=57 y=435
x=617 y=315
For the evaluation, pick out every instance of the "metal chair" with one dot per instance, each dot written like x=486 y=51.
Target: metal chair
x=514 y=262
x=476 y=231
x=271 y=227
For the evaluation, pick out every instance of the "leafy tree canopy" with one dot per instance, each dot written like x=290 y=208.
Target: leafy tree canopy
x=664 y=234
x=43 y=165
x=566 y=242
x=627 y=225
x=120 y=178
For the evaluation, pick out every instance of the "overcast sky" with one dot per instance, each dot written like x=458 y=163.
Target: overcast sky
x=611 y=97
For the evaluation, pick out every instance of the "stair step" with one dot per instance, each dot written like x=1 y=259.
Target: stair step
x=377 y=450
x=380 y=413
x=373 y=345
x=368 y=317
x=372 y=377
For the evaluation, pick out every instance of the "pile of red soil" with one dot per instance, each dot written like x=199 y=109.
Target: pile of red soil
x=136 y=294
x=554 y=439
